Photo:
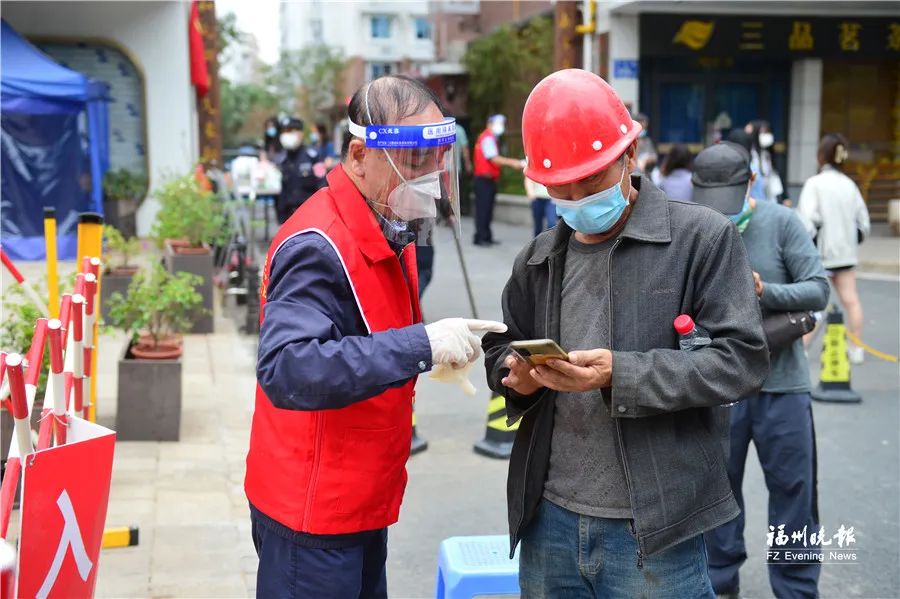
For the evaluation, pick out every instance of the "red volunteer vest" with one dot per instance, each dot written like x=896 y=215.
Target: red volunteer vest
x=483 y=166
x=340 y=471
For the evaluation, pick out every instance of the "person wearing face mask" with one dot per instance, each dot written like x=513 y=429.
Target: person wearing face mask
x=767 y=184
x=488 y=163
x=789 y=277
x=271 y=148
x=321 y=141
x=302 y=169
x=617 y=466
x=341 y=345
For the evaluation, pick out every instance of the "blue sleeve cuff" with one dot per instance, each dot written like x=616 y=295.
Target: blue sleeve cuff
x=419 y=348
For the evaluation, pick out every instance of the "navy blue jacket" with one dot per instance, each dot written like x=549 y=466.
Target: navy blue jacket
x=315 y=352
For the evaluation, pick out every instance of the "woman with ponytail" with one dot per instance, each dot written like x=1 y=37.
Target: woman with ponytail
x=835 y=214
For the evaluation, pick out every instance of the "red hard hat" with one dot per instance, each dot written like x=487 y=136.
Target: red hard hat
x=573 y=125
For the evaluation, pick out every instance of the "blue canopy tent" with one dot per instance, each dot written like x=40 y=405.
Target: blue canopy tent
x=46 y=160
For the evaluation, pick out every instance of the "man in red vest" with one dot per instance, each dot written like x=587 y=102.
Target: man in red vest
x=341 y=344
x=487 y=172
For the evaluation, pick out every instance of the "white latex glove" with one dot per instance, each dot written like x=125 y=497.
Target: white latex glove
x=444 y=373
x=454 y=342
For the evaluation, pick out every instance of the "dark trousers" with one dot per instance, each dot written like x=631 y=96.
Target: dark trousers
x=544 y=213
x=289 y=570
x=781 y=427
x=424 y=266
x=485 y=194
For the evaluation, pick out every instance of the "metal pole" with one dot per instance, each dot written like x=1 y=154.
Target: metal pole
x=465 y=273
x=587 y=42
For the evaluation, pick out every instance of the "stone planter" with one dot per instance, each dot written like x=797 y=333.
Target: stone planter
x=112 y=282
x=201 y=265
x=149 y=399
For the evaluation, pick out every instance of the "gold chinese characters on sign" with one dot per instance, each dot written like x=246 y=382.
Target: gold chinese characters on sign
x=849 y=36
x=801 y=36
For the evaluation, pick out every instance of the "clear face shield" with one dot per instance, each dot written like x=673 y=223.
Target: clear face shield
x=420 y=183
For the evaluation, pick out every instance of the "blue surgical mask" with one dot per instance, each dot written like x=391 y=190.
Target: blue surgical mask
x=742 y=218
x=597 y=213
x=271 y=131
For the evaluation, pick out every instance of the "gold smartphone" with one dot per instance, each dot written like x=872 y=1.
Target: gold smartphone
x=538 y=351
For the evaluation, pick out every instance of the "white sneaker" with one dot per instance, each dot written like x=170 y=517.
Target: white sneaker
x=856 y=354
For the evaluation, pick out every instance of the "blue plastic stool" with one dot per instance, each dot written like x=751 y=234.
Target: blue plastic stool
x=471 y=566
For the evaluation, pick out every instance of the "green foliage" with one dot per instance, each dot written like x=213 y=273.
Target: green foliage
x=244 y=103
x=504 y=66
x=19 y=316
x=123 y=184
x=188 y=212
x=511 y=181
x=119 y=247
x=158 y=303
x=308 y=80
x=228 y=33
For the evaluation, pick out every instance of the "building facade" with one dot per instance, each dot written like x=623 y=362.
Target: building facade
x=700 y=69
x=377 y=38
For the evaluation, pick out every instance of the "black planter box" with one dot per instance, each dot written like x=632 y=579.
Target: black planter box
x=149 y=399
x=112 y=283
x=197 y=264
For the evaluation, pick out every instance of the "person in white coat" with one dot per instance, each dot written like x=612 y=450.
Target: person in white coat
x=835 y=214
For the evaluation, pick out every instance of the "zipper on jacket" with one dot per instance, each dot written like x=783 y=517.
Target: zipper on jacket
x=314 y=475
x=531 y=441
x=640 y=555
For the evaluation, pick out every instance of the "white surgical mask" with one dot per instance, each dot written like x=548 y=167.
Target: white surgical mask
x=290 y=140
x=498 y=128
x=415 y=198
x=766 y=140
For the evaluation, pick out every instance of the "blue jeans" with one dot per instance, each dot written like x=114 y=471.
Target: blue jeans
x=781 y=427
x=565 y=555
x=543 y=211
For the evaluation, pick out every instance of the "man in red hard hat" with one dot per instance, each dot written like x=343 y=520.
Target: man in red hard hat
x=618 y=465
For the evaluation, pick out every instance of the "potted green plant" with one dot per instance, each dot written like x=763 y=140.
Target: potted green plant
x=119 y=267
x=16 y=331
x=123 y=191
x=157 y=308
x=189 y=223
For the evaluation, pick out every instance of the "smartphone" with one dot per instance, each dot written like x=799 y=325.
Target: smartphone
x=538 y=351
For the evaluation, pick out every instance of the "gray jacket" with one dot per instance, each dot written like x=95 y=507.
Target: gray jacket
x=671 y=258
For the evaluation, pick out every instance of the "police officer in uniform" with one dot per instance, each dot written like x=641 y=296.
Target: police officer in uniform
x=302 y=170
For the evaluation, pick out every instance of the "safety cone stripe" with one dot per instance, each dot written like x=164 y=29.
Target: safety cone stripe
x=500 y=424
x=496 y=404
x=835 y=365
x=497 y=415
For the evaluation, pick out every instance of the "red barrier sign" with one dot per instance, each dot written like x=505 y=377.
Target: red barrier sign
x=64 y=498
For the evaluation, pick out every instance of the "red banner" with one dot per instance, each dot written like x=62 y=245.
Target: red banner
x=64 y=499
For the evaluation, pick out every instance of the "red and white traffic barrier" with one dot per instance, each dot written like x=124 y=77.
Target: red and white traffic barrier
x=31 y=293
x=57 y=385
x=76 y=351
x=19 y=404
x=90 y=289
